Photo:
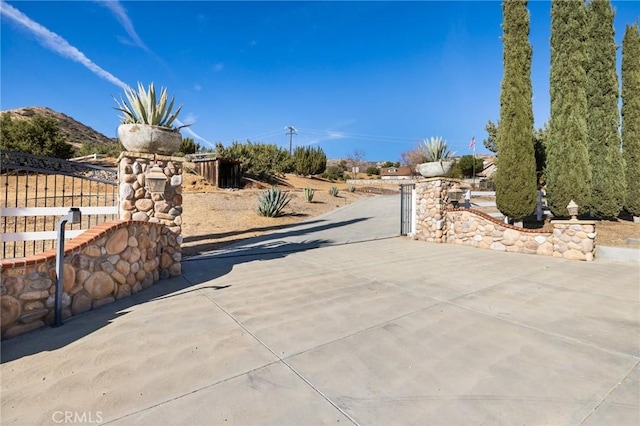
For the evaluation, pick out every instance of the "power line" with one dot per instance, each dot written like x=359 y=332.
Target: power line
x=361 y=136
x=339 y=135
x=272 y=133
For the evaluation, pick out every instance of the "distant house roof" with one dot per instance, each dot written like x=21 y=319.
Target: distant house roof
x=396 y=171
x=488 y=167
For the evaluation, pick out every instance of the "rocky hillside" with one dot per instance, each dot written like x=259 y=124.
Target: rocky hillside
x=76 y=132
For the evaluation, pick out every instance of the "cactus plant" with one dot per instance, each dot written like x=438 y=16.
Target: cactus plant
x=308 y=194
x=272 y=201
x=143 y=108
x=435 y=149
x=333 y=191
x=352 y=188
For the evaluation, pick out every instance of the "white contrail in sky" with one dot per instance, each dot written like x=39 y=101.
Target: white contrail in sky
x=121 y=14
x=56 y=43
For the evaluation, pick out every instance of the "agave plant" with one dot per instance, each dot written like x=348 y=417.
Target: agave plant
x=143 y=107
x=435 y=149
x=333 y=191
x=272 y=201
x=308 y=194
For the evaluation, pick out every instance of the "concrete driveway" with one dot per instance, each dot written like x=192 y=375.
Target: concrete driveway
x=340 y=321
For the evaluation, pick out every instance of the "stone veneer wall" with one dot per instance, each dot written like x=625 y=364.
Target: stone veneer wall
x=436 y=222
x=107 y=262
x=431 y=207
x=136 y=203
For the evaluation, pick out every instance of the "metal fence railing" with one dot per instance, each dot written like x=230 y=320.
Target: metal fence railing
x=36 y=191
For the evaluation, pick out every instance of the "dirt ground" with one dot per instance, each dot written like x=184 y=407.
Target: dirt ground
x=218 y=217
x=214 y=218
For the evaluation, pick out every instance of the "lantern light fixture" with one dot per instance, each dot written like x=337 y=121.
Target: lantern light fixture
x=156 y=180
x=573 y=210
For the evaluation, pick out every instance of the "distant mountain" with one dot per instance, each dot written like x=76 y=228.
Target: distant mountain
x=76 y=133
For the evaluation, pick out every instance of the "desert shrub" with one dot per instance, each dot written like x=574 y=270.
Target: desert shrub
x=309 y=161
x=352 y=188
x=188 y=146
x=372 y=171
x=456 y=172
x=333 y=191
x=308 y=194
x=258 y=159
x=111 y=150
x=388 y=164
x=40 y=136
x=272 y=201
x=334 y=173
x=466 y=164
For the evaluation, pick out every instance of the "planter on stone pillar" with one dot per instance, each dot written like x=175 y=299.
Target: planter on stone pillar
x=437 y=158
x=436 y=168
x=147 y=138
x=146 y=126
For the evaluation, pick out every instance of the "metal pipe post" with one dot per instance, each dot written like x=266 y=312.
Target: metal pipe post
x=74 y=216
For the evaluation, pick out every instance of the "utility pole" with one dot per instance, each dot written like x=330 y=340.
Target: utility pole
x=290 y=130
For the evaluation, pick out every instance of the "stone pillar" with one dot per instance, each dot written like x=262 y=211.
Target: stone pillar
x=432 y=204
x=574 y=239
x=136 y=203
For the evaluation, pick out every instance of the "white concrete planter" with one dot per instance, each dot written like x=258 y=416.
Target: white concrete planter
x=435 y=168
x=150 y=139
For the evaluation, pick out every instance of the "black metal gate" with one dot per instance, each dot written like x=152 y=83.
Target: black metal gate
x=39 y=190
x=406 y=207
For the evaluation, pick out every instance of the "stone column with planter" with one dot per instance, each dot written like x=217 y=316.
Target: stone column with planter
x=137 y=203
x=431 y=207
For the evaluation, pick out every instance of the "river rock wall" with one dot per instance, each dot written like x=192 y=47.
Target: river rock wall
x=108 y=262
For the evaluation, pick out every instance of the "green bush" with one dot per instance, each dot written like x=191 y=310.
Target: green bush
x=372 y=171
x=333 y=191
x=40 y=136
x=308 y=194
x=466 y=164
x=309 y=161
x=89 y=148
x=272 y=201
x=456 y=172
x=334 y=173
x=188 y=146
x=258 y=159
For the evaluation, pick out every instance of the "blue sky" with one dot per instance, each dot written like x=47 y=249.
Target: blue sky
x=370 y=76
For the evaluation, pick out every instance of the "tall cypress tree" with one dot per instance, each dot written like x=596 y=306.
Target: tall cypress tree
x=631 y=116
x=516 y=188
x=568 y=173
x=603 y=118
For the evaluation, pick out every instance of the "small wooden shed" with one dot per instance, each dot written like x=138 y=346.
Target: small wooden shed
x=219 y=172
